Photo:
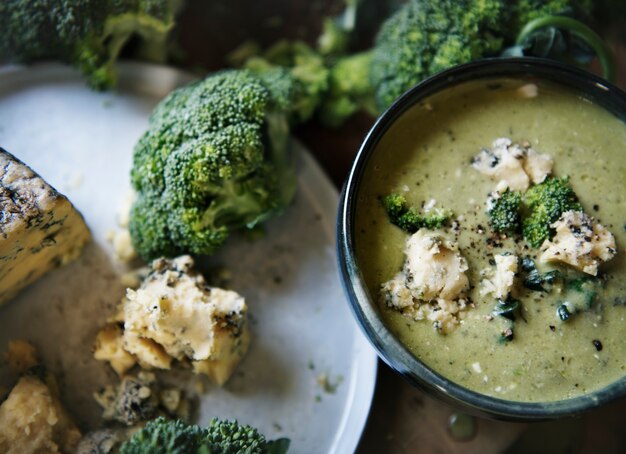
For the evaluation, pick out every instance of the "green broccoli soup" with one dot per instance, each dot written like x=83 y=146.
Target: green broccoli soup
x=490 y=231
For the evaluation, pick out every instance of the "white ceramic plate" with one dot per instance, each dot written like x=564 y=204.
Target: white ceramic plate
x=81 y=142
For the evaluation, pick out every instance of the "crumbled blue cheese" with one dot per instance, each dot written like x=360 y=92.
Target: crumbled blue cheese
x=110 y=347
x=432 y=283
x=500 y=282
x=537 y=165
x=512 y=165
x=32 y=420
x=175 y=315
x=580 y=242
x=39 y=228
x=141 y=398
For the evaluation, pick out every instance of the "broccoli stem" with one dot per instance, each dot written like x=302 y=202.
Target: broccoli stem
x=578 y=29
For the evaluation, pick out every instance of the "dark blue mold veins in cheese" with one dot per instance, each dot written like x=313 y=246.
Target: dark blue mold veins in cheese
x=39 y=228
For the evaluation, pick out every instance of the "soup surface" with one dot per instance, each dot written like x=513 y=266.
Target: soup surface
x=426 y=155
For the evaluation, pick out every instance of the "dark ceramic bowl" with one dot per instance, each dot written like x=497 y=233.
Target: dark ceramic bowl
x=364 y=307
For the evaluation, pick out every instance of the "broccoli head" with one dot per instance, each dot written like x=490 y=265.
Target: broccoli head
x=408 y=218
x=423 y=38
x=163 y=436
x=545 y=203
x=503 y=212
x=86 y=33
x=214 y=158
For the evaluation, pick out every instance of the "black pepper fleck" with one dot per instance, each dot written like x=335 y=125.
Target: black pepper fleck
x=597 y=344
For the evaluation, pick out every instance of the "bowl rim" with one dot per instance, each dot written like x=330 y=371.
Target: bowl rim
x=390 y=349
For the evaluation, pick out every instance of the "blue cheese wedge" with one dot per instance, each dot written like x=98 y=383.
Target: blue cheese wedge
x=39 y=228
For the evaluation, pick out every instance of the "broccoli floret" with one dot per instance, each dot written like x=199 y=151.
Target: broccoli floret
x=423 y=38
x=409 y=219
x=215 y=158
x=334 y=38
x=336 y=86
x=504 y=214
x=163 y=436
x=229 y=437
x=86 y=33
x=349 y=90
x=302 y=63
x=545 y=203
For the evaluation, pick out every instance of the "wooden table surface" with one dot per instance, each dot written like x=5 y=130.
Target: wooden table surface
x=402 y=419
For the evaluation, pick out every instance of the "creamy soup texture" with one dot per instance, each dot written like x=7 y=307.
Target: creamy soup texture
x=426 y=155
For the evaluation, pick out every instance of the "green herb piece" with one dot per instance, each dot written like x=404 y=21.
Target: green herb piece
x=534 y=280
x=506 y=308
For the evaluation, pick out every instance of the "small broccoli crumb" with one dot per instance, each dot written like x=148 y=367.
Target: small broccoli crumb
x=329 y=386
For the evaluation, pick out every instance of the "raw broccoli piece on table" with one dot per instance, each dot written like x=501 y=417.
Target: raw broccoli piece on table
x=337 y=86
x=424 y=37
x=504 y=213
x=349 y=90
x=215 y=158
x=545 y=203
x=88 y=34
x=302 y=63
x=409 y=219
x=163 y=436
